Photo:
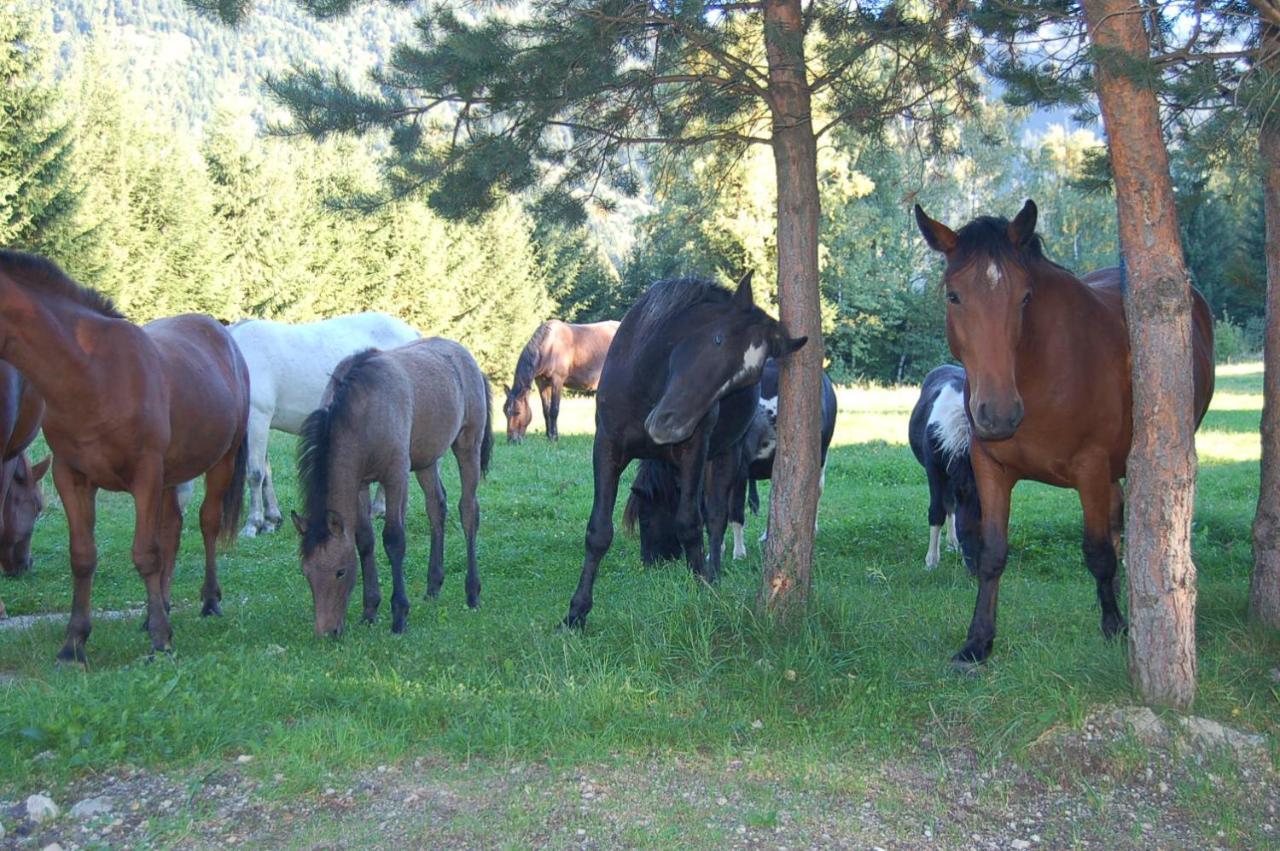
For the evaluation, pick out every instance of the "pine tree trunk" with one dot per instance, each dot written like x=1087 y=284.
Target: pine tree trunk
x=1264 y=590
x=793 y=500
x=1161 y=473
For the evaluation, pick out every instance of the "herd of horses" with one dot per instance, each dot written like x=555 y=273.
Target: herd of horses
x=686 y=383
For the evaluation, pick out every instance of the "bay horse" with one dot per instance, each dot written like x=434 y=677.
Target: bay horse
x=558 y=355
x=129 y=408
x=384 y=414
x=289 y=368
x=680 y=384
x=21 y=499
x=939 y=434
x=1048 y=391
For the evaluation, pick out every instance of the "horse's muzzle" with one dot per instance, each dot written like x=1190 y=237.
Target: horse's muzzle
x=991 y=424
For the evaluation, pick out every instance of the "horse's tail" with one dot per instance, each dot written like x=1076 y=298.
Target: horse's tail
x=631 y=514
x=233 y=498
x=753 y=498
x=486 y=442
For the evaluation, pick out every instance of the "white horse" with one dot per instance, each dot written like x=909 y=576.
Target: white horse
x=289 y=368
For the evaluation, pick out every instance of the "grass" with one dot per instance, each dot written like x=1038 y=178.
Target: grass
x=665 y=665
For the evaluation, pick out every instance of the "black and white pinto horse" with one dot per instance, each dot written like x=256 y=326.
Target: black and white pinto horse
x=656 y=491
x=939 y=432
x=680 y=384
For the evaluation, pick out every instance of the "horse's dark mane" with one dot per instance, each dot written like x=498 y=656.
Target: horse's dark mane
x=527 y=365
x=656 y=483
x=989 y=236
x=667 y=299
x=355 y=374
x=32 y=271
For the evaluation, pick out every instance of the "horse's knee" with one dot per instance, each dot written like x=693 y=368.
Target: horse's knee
x=393 y=541
x=599 y=538
x=1100 y=557
x=992 y=559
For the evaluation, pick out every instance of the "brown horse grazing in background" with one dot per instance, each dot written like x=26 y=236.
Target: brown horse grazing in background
x=1048 y=391
x=129 y=408
x=558 y=355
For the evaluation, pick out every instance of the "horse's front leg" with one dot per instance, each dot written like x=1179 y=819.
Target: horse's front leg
x=1099 y=549
x=397 y=490
x=434 y=495
x=78 y=496
x=993 y=489
x=553 y=420
x=147 y=489
x=469 y=473
x=607 y=463
x=368 y=563
x=544 y=395
x=257 y=472
x=691 y=466
x=720 y=481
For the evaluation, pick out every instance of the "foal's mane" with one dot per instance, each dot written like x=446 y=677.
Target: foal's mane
x=989 y=236
x=527 y=364
x=352 y=377
x=666 y=300
x=33 y=272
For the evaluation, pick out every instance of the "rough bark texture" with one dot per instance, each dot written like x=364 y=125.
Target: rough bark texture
x=794 y=497
x=1162 y=463
x=1264 y=590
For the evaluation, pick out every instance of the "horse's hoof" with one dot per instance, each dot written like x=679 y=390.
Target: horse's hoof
x=211 y=607
x=397 y=624
x=72 y=656
x=969 y=660
x=368 y=618
x=432 y=593
x=146 y=623
x=473 y=603
x=930 y=565
x=965 y=668
x=573 y=623
x=1115 y=630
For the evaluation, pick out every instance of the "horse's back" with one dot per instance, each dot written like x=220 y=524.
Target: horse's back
x=1107 y=284
x=290 y=364
x=450 y=394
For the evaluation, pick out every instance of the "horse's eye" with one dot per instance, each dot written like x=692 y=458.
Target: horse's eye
x=719 y=339
x=342 y=573
x=1026 y=299
x=953 y=296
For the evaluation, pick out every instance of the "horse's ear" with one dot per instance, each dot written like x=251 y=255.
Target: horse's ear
x=334 y=520
x=939 y=236
x=299 y=522
x=1024 y=224
x=792 y=344
x=506 y=391
x=41 y=467
x=742 y=297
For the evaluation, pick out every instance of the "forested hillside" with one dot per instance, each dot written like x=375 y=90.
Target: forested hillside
x=185 y=64
x=136 y=155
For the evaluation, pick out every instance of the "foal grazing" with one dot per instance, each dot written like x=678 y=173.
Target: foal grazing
x=1048 y=390
x=289 y=368
x=679 y=385
x=939 y=436
x=558 y=355
x=387 y=413
x=128 y=408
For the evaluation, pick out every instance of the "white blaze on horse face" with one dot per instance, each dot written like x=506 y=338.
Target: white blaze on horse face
x=770 y=407
x=752 y=361
x=993 y=274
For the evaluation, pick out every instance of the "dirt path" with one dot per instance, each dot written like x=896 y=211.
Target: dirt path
x=1099 y=787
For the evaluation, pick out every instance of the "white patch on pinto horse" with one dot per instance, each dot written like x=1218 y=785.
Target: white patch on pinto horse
x=993 y=274
x=752 y=361
x=947 y=419
x=739 y=546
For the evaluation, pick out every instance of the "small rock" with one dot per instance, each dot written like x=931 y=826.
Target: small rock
x=243 y=758
x=1 y=830
x=582 y=832
x=41 y=808
x=275 y=650
x=52 y=846
x=1035 y=837
x=90 y=807
x=757 y=724
x=722 y=801
x=1020 y=844
x=789 y=675
x=1211 y=734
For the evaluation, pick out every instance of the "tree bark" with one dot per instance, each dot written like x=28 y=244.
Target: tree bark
x=1264 y=589
x=1161 y=471
x=793 y=503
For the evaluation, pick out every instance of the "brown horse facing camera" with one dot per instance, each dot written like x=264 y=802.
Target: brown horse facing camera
x=1048 y=391
x=129 y=408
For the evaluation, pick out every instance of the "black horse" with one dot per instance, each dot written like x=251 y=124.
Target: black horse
x=679 y=385
x=655 y=492
x=939 y=433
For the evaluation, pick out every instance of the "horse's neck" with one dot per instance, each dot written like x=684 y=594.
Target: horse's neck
x=346 y=474
x=1071 y=324
x=50 y=342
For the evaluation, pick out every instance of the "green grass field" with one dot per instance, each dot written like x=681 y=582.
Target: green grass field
x=665 y=668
